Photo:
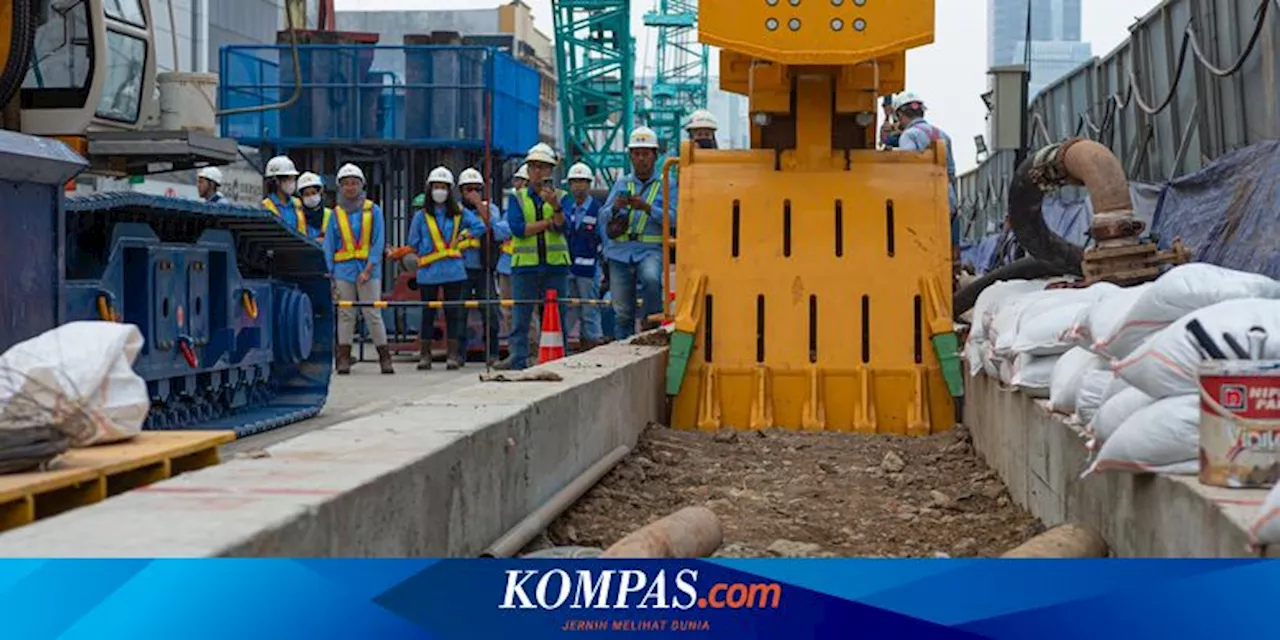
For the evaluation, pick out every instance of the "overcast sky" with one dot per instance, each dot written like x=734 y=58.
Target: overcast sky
x=949 y=74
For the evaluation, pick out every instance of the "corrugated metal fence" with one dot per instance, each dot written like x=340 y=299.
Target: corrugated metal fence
x=1195 y=80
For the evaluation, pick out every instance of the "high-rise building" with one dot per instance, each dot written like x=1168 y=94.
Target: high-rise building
x=1055 y=37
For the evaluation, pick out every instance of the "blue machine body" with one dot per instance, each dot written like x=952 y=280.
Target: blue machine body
x=235 y=307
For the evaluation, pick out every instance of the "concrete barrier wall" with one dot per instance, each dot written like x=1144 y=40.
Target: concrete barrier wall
x=1041 y=458
x=442 y=477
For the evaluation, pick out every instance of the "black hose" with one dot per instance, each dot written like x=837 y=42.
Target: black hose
x=22 y=39
x=1027 y=268
x=1027 y=221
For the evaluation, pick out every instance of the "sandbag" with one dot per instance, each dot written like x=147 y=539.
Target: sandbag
x=1180 y=291
x=1033 y=374
x=1044 y=327
x=1103 y=316
x=1068 y=373
x=1163 y=437
x=984 y=311
x=1115 y=411
x=1165 y=365
x=1092 y=387
x=80 y=376
x=1266 y=527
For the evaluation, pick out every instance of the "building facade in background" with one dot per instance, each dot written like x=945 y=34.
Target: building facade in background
x=1056 y=31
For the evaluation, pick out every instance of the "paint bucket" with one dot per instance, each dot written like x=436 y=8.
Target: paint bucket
x=1240 y=423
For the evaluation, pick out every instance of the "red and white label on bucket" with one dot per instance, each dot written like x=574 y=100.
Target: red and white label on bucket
x=1257 y=398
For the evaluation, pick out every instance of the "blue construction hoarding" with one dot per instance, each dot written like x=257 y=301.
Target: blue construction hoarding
x=428 y=96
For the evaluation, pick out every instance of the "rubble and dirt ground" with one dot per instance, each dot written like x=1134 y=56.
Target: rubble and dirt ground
x=806 y=494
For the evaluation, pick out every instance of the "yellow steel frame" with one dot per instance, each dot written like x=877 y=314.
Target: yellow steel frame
x=822 y=273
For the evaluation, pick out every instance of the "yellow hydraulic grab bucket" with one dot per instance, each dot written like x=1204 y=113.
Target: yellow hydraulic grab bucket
x=822 y=290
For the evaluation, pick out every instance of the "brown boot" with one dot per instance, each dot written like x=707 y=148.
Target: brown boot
x=384 y=360
x=453 y=361
x=424 y=355
x=343 y=361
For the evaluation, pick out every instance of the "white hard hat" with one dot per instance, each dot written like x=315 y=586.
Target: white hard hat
x=212 y=174
x=581 y=171
x=308 y=180
x=541 y=152
x=702 y=119
x=470 y=176
x=350 y=171
x=281 y=166
x=643 y=138
x=523 y=172
x=905 y=98
x=441 y=174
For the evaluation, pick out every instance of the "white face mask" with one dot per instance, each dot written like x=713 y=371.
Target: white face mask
x=439 y=195
x=288 y=187
x=311 y=201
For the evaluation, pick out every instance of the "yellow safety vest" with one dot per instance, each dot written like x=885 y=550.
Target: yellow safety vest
x=324 y=226
x=507 y=247
x=300 y=221
x=439 y=249
x=351 y=250
x=644 y=217
x=525 y=250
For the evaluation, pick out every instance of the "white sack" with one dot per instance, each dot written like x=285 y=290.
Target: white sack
x=984 y=311
x=1165 y=365
x=1068 y=374
x=1161 y=438
x=1033 y=374
x=1092 y=387
x=1178 y=292
x=1118 y=409
x=1266 y=528
x=1103 y=316
x=81 y=375
x=1044 y=329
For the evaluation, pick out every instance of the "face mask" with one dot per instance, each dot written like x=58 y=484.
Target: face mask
x=311 y=202
x=706 y=143
x=288 y=187
x=439 y=195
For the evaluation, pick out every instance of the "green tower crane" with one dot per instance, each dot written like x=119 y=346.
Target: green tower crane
x=680 y=85
x=596 y=57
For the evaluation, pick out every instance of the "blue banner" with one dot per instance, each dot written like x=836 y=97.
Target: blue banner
x=739 y=599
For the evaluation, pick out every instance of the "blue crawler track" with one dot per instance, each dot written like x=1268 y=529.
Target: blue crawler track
x=235 y=307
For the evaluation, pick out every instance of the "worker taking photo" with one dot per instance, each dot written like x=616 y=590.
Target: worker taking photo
x=633 y=222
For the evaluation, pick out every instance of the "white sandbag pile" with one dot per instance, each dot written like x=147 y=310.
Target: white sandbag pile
x=1068 y=376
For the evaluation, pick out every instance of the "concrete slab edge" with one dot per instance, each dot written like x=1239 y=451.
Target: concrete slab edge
x=443 y=477
x=1040 y=457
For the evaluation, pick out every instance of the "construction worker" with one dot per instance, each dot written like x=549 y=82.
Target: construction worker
x=282 y=184
x=311 y=188
x=208 y=180
x=540 y=254
x=918 y=134
x=436 y=234
x=521 y=180
x=479 y=255
x=633 y=221
x=586 y=236
x=354 y=245
x=702 y=127
x=890 y=131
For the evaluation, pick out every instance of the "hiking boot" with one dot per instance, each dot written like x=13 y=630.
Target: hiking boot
x=343 y=364
x=424 y=355
x=452 y=360
x=384 y=360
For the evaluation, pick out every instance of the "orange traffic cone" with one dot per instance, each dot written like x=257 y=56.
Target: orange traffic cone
x=551 y=346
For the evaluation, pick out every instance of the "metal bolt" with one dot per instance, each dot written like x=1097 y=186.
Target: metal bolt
x=837 y=24
x=771 y=24
x=859 y=24
x=795 y=3
x=836 y=3
x=772 y=3
x=794 y=24
x=860 y=2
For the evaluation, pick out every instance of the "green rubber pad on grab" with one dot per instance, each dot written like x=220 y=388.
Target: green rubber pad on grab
x=678 y=360
x=947 y=347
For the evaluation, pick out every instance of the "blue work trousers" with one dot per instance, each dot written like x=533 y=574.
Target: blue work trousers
x=587 y=289
x=628 y=281
x=477 y=290
x=531 y=284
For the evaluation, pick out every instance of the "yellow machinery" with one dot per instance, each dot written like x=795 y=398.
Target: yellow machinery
x=814 y=272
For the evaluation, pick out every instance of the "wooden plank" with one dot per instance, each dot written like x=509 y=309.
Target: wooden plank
x=146 y=448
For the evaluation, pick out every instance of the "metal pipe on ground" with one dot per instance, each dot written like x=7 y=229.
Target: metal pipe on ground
x=692 y=532
x=519 y=536
x=1062 y=541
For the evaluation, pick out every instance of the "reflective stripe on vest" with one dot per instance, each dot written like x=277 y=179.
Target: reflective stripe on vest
x=324 y=226
x=507 y=247
x=300 y=221
x=644 y=217
x=350 y=249
x=525 y=250
x=439 y=249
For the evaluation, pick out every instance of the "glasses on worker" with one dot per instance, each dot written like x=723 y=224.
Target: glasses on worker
x=471 y=189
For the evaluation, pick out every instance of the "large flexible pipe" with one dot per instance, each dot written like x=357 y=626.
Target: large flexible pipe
x=1063 y=541
x=692 y=532
x=1027 y=268
x=519 y=536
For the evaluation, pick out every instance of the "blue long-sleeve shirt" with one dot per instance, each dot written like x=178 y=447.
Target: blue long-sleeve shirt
x=288 y=213
x=449 y=269
x=623 y=250
x=586 y=235
x=918 y=136
x=349 y=271
x=501 y=231
x=515 y=220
